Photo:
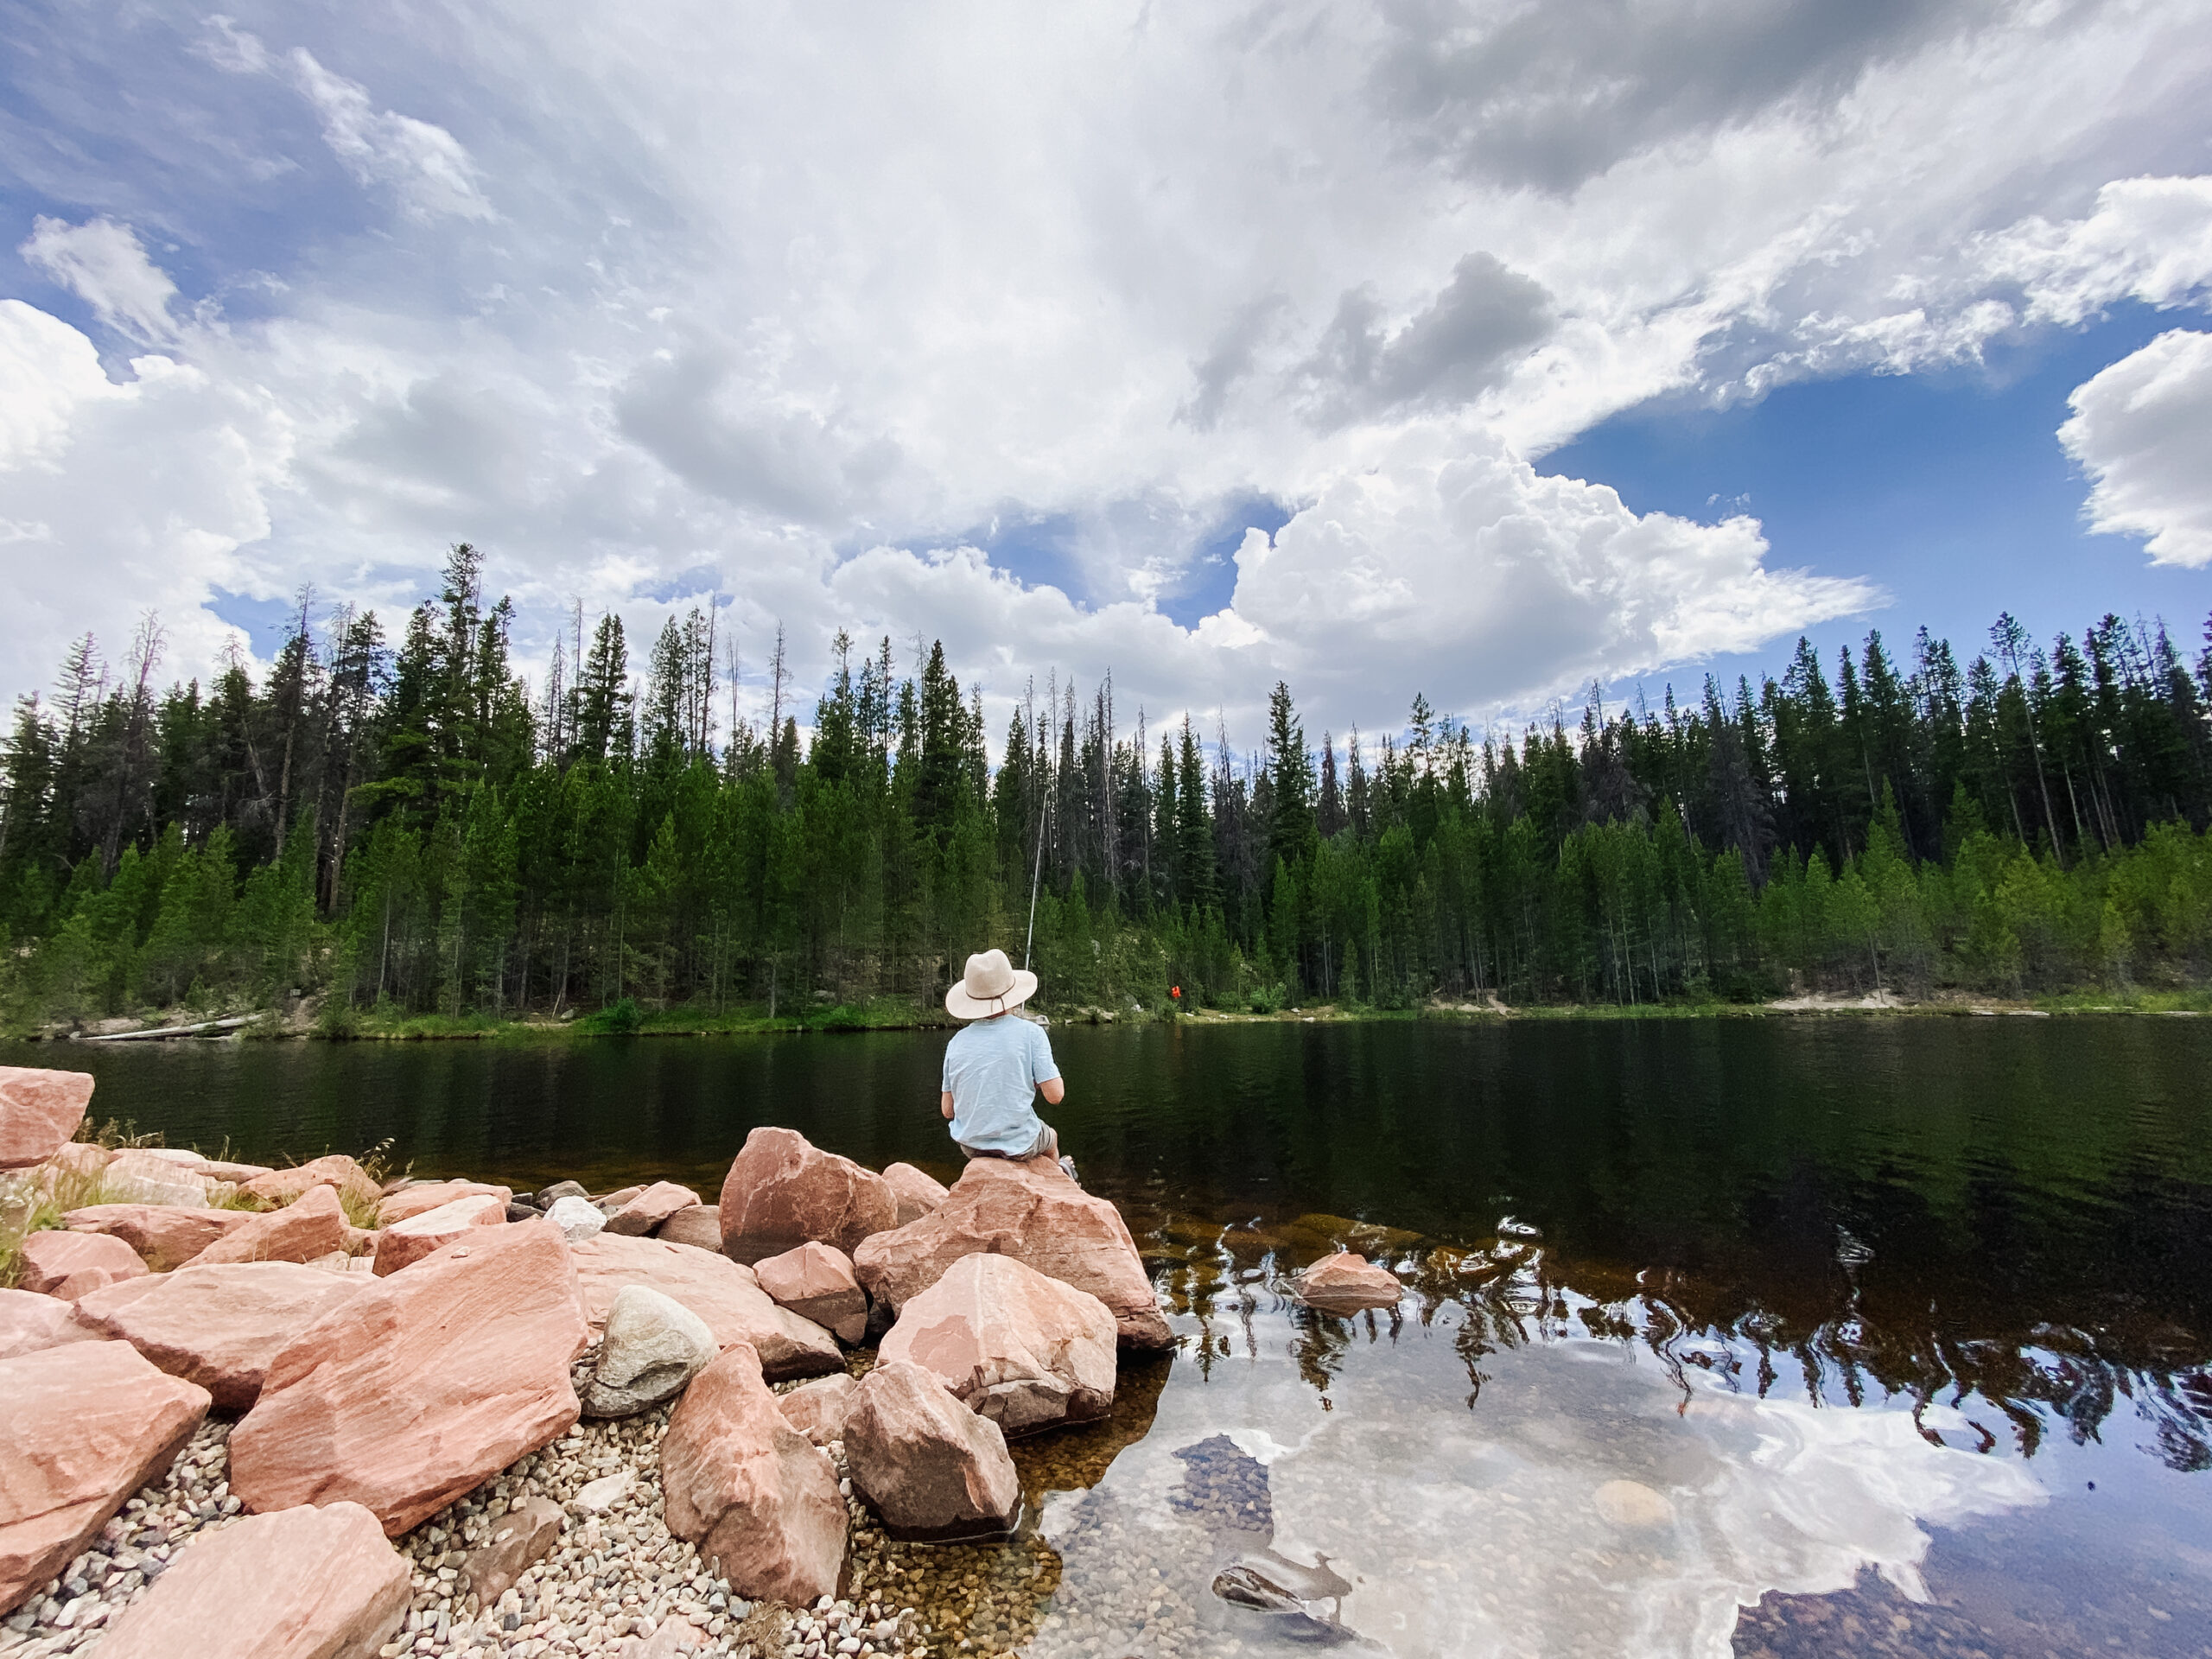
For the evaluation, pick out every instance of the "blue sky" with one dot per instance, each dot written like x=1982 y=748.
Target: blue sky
x=1205 y=347
x=1949 y=489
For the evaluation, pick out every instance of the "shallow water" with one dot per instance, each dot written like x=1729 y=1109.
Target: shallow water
x=1839 y=1336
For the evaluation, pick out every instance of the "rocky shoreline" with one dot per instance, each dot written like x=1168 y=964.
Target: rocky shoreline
x=305 y=1410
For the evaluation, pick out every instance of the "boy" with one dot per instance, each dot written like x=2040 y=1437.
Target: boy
x=996 y=1066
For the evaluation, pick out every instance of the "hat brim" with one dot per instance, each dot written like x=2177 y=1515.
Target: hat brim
x=961 y=1006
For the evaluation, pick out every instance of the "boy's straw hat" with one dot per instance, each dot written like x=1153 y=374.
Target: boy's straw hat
x=991 y=985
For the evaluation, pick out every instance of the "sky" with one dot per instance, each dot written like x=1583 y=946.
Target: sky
x=1472 y=347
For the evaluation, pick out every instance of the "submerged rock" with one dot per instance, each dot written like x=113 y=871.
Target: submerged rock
x=1345 y=1283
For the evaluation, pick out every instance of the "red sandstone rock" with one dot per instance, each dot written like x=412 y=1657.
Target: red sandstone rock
x=1345 y=1283
x=724 y=1294
x=698 y=1225
x=747 y=1489
x=917 y=1192
x=1032 y=1212
x=165 y=1234
x=411 y=1201
x=311 y=1225
x=67 y=1264
x=816 y=1282
x=420 y=1236
x=217 y=1169
x=1026 y=1351
x=220 y=1326
x=412 y=1392
x=337 y=1169
x=81 y=1429
x=782 y=1192
x=78 y=1157
x=818 y=1409
x=143 y=1175
x=645 y=1213
x=932 y=1468
x=298 y=1583
x=30 y=1323
x=40 y=1112
x=520 y=1538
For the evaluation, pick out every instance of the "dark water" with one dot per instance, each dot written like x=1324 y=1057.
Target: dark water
x=1834 y=1286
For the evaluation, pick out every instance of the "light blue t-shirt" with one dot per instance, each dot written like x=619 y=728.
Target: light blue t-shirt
x=992 y=1068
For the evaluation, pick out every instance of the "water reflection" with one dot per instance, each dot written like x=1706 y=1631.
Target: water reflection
x=2013 y=1387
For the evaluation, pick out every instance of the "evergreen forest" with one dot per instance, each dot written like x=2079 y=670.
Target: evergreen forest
x=405 y=828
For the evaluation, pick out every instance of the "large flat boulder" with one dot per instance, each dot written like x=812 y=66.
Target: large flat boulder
x=721 y=1292
x=932 y=1468
x=917 y=1192
x=653 y=1346
x=758 y=1499
x=412 y=1392
x=1026 y=1351
x=30 y=1322
x=816 y=1282
x=424 y=1235
x=646 y=1212
x=312 y=1225
x=1343 y=1283
x=411 y=1201
x=165 y=1236
x=783 y=1190
x=300 y=1584
x=1032 y=1212
x=40 y=1112
x=81 y=1429
x=222 y=1325
x=285 y=1185
x=67 y=1264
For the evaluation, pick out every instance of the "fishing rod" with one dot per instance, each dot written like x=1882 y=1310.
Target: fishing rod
x=1036 y=875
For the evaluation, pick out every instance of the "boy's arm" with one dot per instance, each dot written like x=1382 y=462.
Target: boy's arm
x=1048 y=1074
x=945 y=1104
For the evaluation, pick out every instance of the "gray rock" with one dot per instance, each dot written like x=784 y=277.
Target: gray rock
x=653 y=1347
x=549 y=1196
x=577 y=1219
x=523 y=1211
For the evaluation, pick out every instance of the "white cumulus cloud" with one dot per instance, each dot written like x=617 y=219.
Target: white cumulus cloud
x=2142 y=431
x=104 y=266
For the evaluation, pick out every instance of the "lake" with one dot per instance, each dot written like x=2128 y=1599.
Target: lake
x=1776 y=1336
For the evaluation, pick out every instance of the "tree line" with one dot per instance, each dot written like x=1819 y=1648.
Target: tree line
x=408 y=826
